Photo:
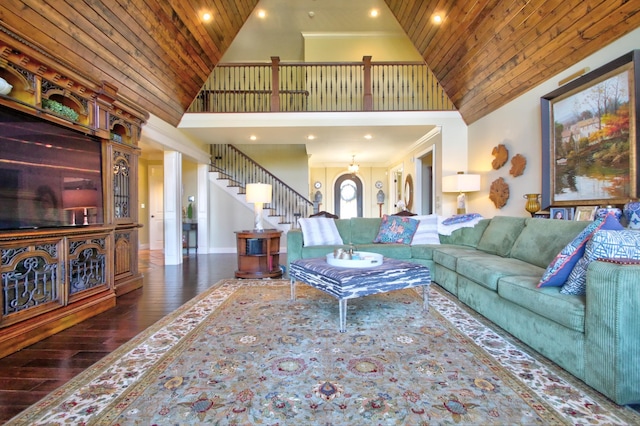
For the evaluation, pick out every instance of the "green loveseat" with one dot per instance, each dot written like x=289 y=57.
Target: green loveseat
x=495 y=267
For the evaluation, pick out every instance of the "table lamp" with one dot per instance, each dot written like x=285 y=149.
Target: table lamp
x=461 y=183
x=258 y=194
x=74 y=199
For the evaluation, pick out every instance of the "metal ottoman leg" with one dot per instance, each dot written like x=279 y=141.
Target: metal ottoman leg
x=343 y=315
x=293 y=289
x=425 y=297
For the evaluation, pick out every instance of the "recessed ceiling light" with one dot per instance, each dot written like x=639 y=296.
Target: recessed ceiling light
x=253 y=137
x=437 y=19
x=206 y=17
x=262 y=14
x=368 y=137
x=374 y=13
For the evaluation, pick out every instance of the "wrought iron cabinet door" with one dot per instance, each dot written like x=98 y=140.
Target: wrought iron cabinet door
x=88 y=266
x=32 y=278
x=122 y=205
x=51 y=280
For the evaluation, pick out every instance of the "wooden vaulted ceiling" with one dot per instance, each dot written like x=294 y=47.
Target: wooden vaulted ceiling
x=158 y=53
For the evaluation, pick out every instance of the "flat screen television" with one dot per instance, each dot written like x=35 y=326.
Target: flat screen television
x=50 y=176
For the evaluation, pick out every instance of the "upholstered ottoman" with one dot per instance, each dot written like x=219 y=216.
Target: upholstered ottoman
x=349 y=283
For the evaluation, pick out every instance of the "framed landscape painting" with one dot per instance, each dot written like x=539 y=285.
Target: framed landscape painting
x=590 y=137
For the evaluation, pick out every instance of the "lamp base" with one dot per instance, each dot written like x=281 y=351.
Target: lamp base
x=462 y=203
x=257 y=208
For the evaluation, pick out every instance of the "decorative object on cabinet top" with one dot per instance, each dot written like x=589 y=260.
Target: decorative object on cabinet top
x=5 y=87
x=518 y=164
x=501 y=154
x=499 y=192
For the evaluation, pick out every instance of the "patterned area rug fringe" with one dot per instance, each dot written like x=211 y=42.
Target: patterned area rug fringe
x=243 y=353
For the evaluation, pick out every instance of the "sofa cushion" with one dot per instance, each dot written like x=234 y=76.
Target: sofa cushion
x=500 y=235
x=466 y=236
x=344 y=228
x=427 y=232
x=568 y=311
x=364 y=230
x=422 y=251
x=487 y=270
x=605 y=244
x=396 y=229
x=319 y=231
x=561 y=266
x=542 y=239
x=448 y=255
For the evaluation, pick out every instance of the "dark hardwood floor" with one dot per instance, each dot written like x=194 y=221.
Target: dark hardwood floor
x=30 y=374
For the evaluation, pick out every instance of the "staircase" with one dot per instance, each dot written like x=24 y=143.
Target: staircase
x=231 y=170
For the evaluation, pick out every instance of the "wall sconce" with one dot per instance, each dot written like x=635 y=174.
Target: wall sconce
x=461 y=183
x=258 y=194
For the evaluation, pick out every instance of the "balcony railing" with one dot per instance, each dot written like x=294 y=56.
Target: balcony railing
x=320 y=87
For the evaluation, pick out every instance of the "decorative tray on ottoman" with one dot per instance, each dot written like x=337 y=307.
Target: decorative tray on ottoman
x=360 y=259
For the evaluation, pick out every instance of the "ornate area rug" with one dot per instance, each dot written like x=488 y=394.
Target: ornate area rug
x=242 y=353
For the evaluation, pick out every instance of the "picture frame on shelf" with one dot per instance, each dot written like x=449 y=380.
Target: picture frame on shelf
x=590 y=137
x=561 y=213
x=585 y=213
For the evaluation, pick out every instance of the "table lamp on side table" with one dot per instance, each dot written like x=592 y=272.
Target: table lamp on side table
x=258 y=194
x=461 y=183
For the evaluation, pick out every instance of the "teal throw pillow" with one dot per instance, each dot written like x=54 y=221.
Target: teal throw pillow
x=396 y=229
x=561 y=266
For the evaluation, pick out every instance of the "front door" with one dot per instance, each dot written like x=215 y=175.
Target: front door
x=348 y=198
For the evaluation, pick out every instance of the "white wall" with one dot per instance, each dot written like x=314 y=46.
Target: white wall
x=517 y=126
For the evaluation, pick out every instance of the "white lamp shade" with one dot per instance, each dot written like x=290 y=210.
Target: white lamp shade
x=461 y=183
x=258 y=193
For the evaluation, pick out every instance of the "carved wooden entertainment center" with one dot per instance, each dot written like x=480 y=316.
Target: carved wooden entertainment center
x=56 y=274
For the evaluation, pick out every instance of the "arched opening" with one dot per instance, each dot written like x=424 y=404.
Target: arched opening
x=348 y=196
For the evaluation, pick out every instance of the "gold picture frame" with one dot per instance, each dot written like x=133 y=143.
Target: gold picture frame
x=591 y=137
x=585 y=213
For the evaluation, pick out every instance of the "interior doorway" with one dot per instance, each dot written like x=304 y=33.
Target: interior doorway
x=425 y=168
x=348 y=196
x=156 y=207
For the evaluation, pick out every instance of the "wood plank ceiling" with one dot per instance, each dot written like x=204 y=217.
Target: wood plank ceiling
x=485 y=53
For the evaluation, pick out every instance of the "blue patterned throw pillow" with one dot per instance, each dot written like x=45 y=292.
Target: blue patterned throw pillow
x=561 y=266
x=606 y=245
x=396 y=229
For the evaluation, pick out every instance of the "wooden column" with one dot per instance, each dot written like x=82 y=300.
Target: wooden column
x=368 y=90
x=275 y=84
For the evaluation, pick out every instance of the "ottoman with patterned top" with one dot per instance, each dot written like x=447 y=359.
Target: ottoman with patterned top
x=348 y=283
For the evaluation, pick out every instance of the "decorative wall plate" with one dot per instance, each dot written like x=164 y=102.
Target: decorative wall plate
x=518 y=164
x=502 y=154
x=499 y=192
x=317 y=185
x=408 y=192
x=379 y=184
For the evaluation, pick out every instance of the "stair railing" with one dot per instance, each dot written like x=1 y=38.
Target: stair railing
x=239 y=169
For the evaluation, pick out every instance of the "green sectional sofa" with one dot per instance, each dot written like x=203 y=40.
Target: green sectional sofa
x=494 y=268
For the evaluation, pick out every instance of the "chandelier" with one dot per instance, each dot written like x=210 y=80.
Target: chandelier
x=353 y=167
